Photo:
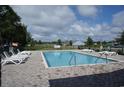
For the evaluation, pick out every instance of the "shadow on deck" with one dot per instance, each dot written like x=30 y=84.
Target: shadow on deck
x=113 y=79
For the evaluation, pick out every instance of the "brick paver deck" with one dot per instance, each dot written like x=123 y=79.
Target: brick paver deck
x=34 y=73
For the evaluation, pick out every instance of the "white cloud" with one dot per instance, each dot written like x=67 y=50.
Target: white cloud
x=45 y=20
x=89 y=11
x=97 y=32
x=36 y=36
x=91 y=34
x=77 y=27
x=45 y=15
x=118 y=19
x=52 y=22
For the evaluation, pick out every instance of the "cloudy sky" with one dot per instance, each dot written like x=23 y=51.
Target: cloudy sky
x=48 y=23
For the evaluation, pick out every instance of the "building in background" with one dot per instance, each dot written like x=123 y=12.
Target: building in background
x=77 y=44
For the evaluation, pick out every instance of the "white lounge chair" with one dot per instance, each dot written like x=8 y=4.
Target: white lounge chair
x=10 y=60
x=24 y=52
x=19 y=54
x=5 y=61
x=22 y=58
x=87 y=50
x=101 y=53
x=108 y=53
x=112 y=53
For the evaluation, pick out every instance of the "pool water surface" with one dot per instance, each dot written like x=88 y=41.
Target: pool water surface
x=69 y=58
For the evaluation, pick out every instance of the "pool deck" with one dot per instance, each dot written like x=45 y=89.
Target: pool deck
x=33 y=73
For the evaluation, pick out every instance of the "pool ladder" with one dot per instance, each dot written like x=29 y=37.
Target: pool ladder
x=73 y=56
x=101 y=57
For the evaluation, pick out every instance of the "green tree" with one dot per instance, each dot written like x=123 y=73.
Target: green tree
x=59 y=42
x=120 y=39
x=70 y=42
x=98 y=42
x=11 y=28
x=28 y=37
x=104 y=42
x=39 y=42
x=89 y=42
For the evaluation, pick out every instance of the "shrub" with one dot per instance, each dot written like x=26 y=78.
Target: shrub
x=120 y=52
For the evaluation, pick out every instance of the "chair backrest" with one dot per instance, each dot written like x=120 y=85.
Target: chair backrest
x=6 y=54
x=12 y=51
x=2 y=56
x=18 y=51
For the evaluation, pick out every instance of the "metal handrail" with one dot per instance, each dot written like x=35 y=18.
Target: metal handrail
x=101 y=57
x=71 y=59
x=106 y=58
x=98 y=58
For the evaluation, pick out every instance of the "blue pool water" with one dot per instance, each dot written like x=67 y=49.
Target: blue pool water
x=68 y=58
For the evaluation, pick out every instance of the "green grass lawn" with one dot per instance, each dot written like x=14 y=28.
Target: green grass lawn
x=46 y=47
x=51 y=47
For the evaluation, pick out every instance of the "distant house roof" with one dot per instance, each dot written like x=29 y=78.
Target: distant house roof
x=78 y=43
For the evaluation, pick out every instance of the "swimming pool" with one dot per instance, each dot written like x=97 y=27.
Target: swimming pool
x=69 y=58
